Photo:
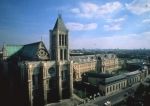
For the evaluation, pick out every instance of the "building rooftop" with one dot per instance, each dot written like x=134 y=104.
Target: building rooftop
x=114 y=78
x=97 y=75
x=82 y=59
x=132 y=73
x=106 y=78
x=33 y=51
x=11 y=50
x=88 y=58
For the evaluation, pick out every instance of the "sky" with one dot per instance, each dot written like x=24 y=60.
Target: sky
x=102 y=24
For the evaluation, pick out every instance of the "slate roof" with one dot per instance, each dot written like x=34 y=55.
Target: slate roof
x=29 y=51
x=105 y=78
x=113 y=79
x=132 y=73
x=60 y=24
x=25 y=52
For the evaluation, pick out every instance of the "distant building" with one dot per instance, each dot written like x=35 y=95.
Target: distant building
x=82 y=64
x=109 y=84
x=101 y=63
x=37 y=78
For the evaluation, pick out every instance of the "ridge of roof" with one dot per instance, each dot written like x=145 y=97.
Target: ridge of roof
x=34 y=43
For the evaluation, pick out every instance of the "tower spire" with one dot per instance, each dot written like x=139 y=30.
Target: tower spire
x=59 y=13
x=59 y=25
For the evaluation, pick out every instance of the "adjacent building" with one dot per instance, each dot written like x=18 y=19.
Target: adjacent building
x=101 y=63
x=109 y=84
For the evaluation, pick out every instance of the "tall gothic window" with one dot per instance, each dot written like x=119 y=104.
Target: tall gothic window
x=65 y=40
x=53 y=56
x=61 y=54
x=52 y=72
x=65 y=54
x=53 y=40
x=63 y=74
x=35 y=79
x=59 y=39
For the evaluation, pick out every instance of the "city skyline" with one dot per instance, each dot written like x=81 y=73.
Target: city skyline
x=101 y=24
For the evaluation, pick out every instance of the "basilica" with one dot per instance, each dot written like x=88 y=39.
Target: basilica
x=32 y=75
x=40 y=76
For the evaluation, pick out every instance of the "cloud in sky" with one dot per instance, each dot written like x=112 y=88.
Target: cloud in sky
x=90 y=10
x=146 y=21
x=115 y=20
x=139 y=7
x=112 y=27
x=26 y=22
x=130 y=41
x=113 y=24
x=80 y=27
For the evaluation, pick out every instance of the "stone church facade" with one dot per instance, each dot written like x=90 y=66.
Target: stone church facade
x=42 y=78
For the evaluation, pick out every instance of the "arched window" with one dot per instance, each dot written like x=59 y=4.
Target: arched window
x=64 y=74
x=52 y=72
x=66 y=40
x=61 y=54
x=63 y=40
x=53 y=40
x=60 y=39
x=36 y=78
x=65 y=54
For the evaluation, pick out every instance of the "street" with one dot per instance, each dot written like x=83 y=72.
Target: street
x=114 y=98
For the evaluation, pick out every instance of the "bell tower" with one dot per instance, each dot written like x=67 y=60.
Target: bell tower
x=59 y=41
x=59 y=51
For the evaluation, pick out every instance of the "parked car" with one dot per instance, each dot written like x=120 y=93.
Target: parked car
x=107 y=103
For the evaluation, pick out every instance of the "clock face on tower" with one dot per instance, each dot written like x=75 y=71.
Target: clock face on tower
x=42 y=53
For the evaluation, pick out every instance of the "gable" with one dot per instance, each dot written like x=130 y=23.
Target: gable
x=35 y=51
